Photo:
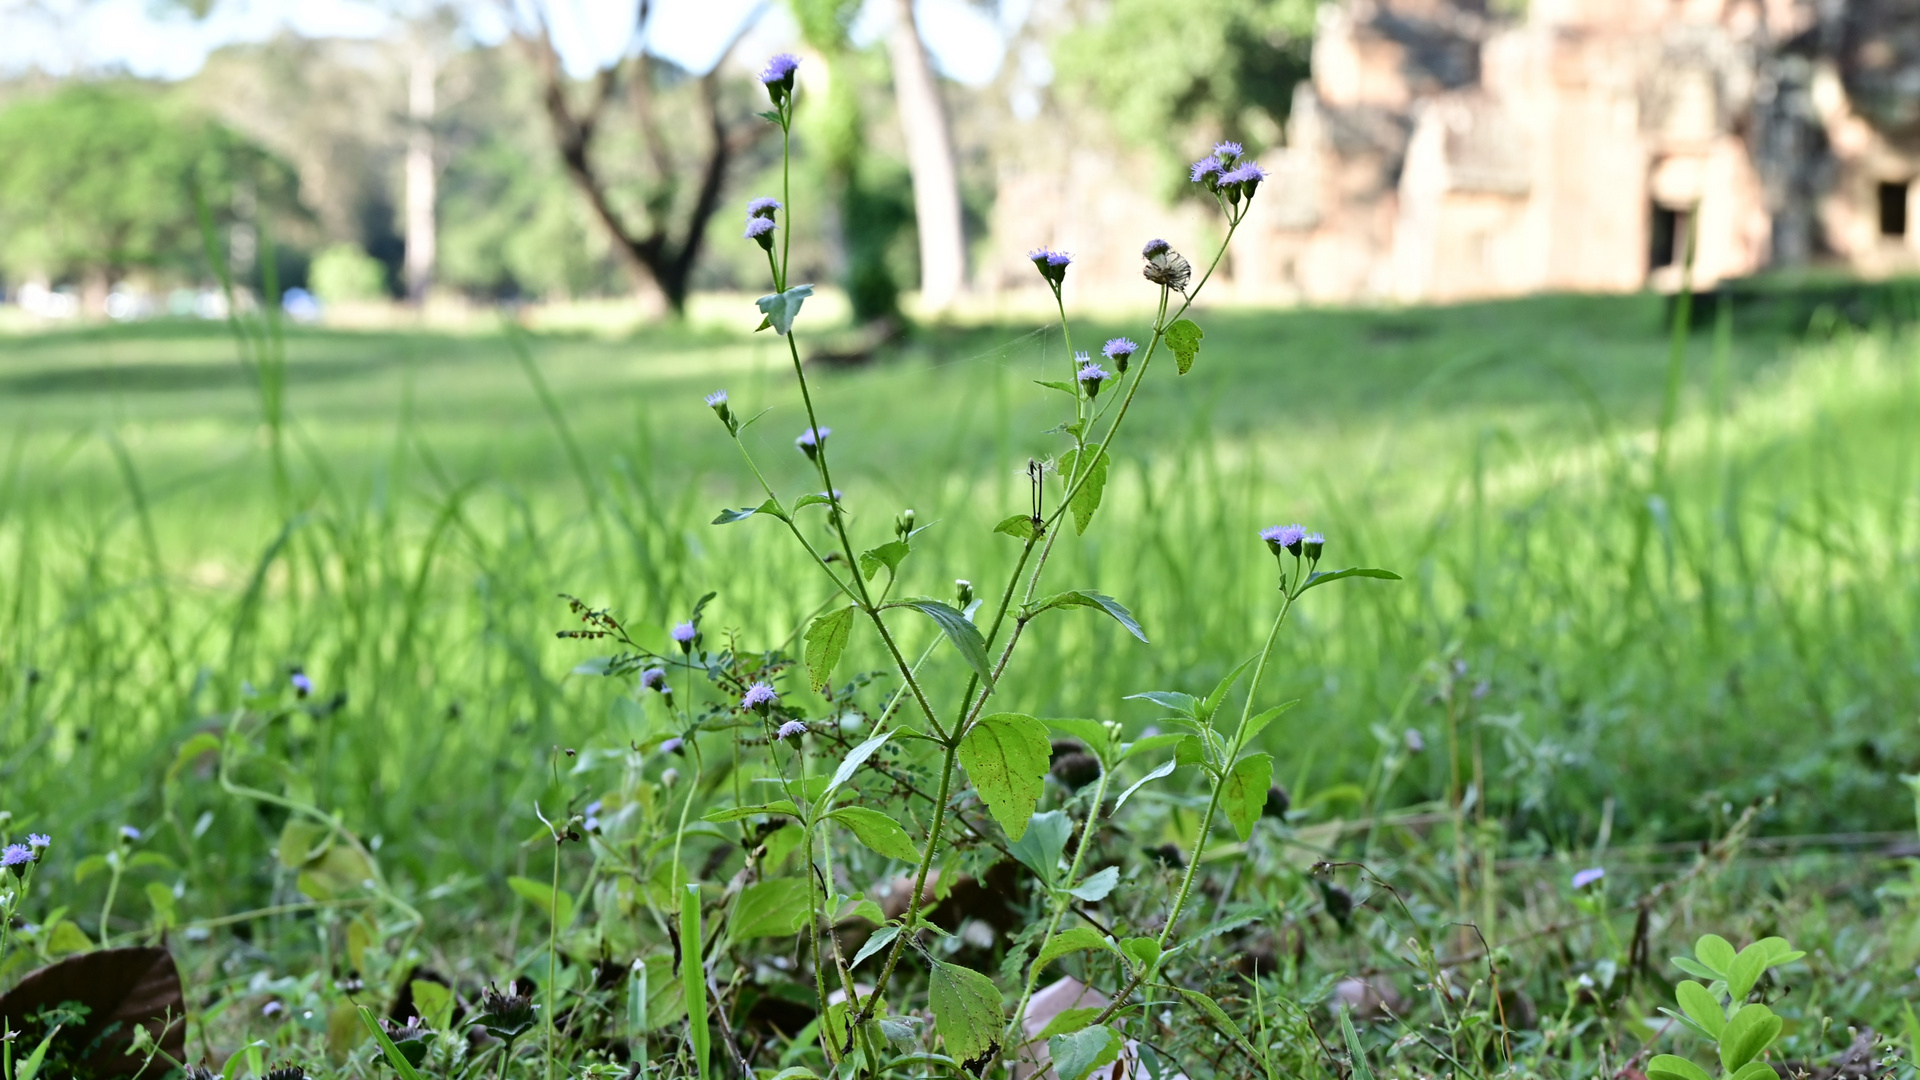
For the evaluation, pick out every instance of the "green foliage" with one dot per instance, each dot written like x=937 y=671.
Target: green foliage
x=1005 y=756
x=1741 y=1029
x=102 y=180
x=1227 y=67
x=344 y=273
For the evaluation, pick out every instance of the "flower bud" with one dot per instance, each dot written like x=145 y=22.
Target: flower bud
x=717 y=401
x=963 y=592
x=903 y=525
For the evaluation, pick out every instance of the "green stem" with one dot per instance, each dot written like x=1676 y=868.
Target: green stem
x=553 y=945
x=1060 y=905
x=919 y=881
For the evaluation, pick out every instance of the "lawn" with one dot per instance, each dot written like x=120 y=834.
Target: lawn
x=1624 y=630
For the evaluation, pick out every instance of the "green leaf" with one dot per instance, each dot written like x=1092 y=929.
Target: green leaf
x=1356 y=1054
x=1319 y=579
x=1143 y=951
x=1748 y=1032
x=1715 y=952
x=783 y=307
x=735 y=813
x=880 y=939
x=966 y=1011
x=1702 y=1007
x=1079 y=1053
x=301 y=842
x=1755 y=1070
x=773 y=908
x=1096 y=887
x=394 y=1057
x=30 y=1068
x=190 y=751
x=1086 y=500
x=93 y=864
x=1019 y=526
x=1747 y=968
x=1039 y=848
x=826 y=639
x=1183 y=338
x=1097 y=737
x=1259 y=721
x=888 y=555
x=1778 y=951
x=1211 y=705
x=1164 y=770
x=1063 y=387
x=1184 y=704
x=855 y=758
x=964 y=635
x=1068 y=1021
x=693 y=981
x=1245 y=793
x=811 y=500
x=1695 y=968
x=877 y=831
x=555 y=906
x=770 y=507
x=1089 y=598
x=1189 y=751
x=1006 y=756
x=433 y=1002
x=1078 y=939
x=1669 y=1067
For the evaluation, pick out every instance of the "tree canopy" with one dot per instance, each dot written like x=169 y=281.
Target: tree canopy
x=101 y=181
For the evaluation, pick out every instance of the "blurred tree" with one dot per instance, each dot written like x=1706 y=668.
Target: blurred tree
x=654 y=217
x=344 y=272
x=101 y=181
x=936 y=178
x=867 y=194
x=1161 y=67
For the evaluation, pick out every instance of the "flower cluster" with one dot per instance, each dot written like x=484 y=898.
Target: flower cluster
x=686 y=635
x=18 y=857
x=1051 y=264
x=811 y=440
x=1090 y=375
x=760 y=221
x=1226 y=172
x=1294 y=540
x=1120 y=350
x=759 y=698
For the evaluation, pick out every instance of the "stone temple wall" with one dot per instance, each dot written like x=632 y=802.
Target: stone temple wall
x=1443 y=151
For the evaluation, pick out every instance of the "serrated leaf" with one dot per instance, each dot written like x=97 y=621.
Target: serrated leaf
x=1093 y=733
x=1184 y=704
x=1078 y=939
x=1063 y=387
x=1068 y=1021
x=1040 y=847
x=1164 y=770
x=771 y=507
x=1096 y=600
x=1149 y=743
x=783 y=307
x=1189 y=751
x=1244 y=795
x=1086 y=500
x=826 y=639
x=770 y=909
x=1319 y=579
x=1006 y=756
x=1748 y=1032
x=1211 y=704
x=966 y=1011
x=855 y=758
x=1019 y=526
x=877 y=831
x=556 y=906
x=1097 y=886
x=1079 y=1053
x=963 y=634
x=1143 y=951
x=1669 y=1067
x=735 y=813
x=888 y=555
x=1183 y=338
x=811 y=500
x=1702 y=1007
x=880 y=939
x=1258 y=722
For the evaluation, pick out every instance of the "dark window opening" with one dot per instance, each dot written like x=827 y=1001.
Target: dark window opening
x=1893 y=209
x=1669 y=246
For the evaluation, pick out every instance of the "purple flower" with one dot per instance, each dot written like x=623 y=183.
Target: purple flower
x=1206 y=171
x=1120 y=350
x=1244 y=179
x=302 y=686
x=718 y=397
x=780 y=69
x=1051 y=264
x=1284 y=538
x=685 y=632
x=1314 y=543
x=39 y=841
x=810 y=440
x=1586 y=877
x=1227 y=151
x=790 y=729
x=760 y=230
x=673 y=745
x=1091 y=375
x=16 y=856
x=130 y=834
x=1155 y=249
x=763 y=207
x=655 y=679
x=759 y=697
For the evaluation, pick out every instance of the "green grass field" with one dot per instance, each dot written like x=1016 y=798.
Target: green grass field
x=1760 y=641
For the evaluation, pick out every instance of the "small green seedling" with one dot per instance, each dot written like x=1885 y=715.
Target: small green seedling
x=1720 y=1011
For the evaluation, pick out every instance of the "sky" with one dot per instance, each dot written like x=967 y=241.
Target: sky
x=966 y=38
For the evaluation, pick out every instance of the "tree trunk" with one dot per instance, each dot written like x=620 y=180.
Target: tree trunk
x=936 y=183
x=421 y=178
